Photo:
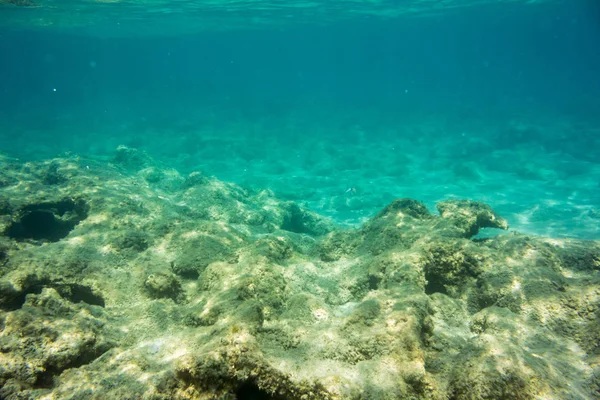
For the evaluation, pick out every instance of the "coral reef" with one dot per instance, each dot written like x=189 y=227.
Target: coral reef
x=128 y=280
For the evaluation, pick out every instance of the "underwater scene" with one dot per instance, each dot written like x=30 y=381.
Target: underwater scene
x=303 y=200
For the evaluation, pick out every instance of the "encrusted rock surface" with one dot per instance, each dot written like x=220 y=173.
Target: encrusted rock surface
x=125 y=280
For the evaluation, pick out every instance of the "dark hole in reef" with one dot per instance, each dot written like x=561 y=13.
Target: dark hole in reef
x=374 y=282
x=294 y=224
x=250 y=391
x=46 y=380
x=75 y=293
x=191 y=274
x=10 y=301
x=295 y=221
x=434 y=285
x=48 y=221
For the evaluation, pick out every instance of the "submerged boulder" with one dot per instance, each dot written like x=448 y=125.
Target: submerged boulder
x=470 y=216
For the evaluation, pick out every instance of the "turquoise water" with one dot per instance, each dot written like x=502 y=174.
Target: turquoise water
x=339 y=109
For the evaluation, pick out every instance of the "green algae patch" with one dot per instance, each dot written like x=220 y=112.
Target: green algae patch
x=173 y=287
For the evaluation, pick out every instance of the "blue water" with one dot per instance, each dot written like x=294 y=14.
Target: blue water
x=496 y=103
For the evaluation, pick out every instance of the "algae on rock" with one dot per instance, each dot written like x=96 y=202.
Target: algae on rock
x=167 y=287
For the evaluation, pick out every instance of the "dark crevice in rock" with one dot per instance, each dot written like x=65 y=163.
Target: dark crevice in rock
x=46 y=379
x=52 y=176
x=302 y=221
x=3 y=254
x=434 y=284
x=76 y=293
x=374 y=282
x=295 y=221
x=5 y=207
x=250 y=391
x=12 y=299
x=50 y=221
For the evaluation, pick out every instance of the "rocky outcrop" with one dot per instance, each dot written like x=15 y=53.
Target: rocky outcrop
x=166 y=287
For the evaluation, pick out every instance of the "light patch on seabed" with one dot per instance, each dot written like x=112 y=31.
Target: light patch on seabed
x=75 y=241
x=190 y=235
x=320 y=314
x=95 y=219
x=161 y=248
x=107 y=249
x=555 y=242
